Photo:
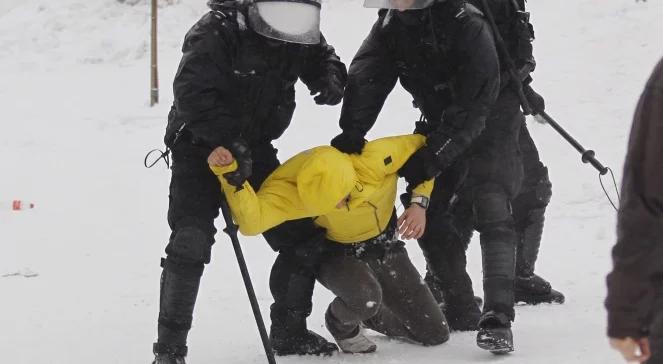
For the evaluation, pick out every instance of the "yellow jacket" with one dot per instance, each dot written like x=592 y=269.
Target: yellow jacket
x=312 y=183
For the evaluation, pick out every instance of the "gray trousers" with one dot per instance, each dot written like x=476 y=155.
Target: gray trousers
x=384 y=292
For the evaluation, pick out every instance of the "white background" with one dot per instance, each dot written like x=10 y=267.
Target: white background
x=75 y=125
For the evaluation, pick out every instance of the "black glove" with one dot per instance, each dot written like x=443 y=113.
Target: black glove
x=536 y=101
x=419 y=168
x=242 y=154
x=329 y=90
x=349 y=141
x=438 y=152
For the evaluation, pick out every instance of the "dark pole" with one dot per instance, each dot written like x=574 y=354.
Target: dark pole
x=588 y=156
x=231 y=230
x=154 y=75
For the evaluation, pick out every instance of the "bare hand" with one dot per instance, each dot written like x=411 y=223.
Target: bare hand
x=412 y=224
x=633 y=350
x=220 y=157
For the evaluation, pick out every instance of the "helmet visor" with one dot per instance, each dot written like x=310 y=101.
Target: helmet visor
x=296 y=21
x=398 y=4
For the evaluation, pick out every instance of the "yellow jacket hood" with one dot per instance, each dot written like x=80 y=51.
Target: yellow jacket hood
x=325 y=179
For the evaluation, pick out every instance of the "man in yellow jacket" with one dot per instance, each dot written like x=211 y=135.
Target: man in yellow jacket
x=365 y=265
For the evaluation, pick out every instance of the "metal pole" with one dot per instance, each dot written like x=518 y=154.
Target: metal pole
x=154 y=82
x=231 y=230
x=588 y=156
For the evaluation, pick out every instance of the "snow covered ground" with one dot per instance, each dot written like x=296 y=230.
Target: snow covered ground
x=79 y=273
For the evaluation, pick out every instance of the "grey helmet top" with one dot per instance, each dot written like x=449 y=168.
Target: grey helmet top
x=295 y=21
x=401 y=5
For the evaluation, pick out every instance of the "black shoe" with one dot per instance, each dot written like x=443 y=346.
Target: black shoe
x=534 y=290
x=169 y=354
x=495 y=334
x=307 y=343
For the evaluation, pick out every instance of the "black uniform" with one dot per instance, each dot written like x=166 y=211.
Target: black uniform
x=445 y=57
x=234 y=83
x=447 y=265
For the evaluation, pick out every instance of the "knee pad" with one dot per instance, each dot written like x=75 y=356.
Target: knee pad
x=190 y=245
x=492 y=210
x=543 y=188
x=537 y=190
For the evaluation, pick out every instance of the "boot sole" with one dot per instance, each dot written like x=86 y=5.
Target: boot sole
x=291 y=353
x=495 y=348
x=371 y=350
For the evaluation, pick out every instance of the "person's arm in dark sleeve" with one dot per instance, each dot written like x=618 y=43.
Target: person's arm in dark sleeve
x=372 y=76
x=203 y=89
x=324 y=73
x=476 y=88
x=638 y=254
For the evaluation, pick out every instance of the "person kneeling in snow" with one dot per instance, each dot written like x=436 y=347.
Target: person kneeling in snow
x=362 y=261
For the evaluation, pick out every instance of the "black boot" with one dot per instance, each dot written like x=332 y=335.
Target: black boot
x=179 y=288
x=289 y=336
x=462 y=312
x=301 y=343
x=495 y=333
x=533 y=290
x=165 y=354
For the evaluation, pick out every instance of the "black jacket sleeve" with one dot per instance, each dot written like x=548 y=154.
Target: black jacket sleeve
x=476 y=86
x=371 y=78
x=203 y=85
x=321 y=65
x=638 y=254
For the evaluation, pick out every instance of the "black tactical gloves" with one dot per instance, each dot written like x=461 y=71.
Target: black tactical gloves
x=419 y=168
x=329 y=90
x=437 y=149
x=242 y=154
x=536 y=101
x=349 y=141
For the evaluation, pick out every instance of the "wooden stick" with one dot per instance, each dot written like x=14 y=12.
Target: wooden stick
x=154 y=88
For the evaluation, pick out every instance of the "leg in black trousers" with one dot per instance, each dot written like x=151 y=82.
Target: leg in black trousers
x=529 y=209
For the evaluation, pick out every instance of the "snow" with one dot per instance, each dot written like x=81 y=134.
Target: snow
x=76 y=125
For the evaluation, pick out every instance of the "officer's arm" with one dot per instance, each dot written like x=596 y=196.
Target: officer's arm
x=476 y=87
x=255 y=213
x=203 y=90
x=371 y=78
x=388 y=155
x=322 y=66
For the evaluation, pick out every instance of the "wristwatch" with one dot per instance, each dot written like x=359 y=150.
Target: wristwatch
x=422 y=201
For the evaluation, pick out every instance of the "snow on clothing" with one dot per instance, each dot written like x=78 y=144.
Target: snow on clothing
x=369 y=270
x=376 y=285
x=313 y=182
x=635 y=285
x=231 y=82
